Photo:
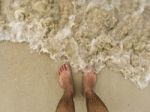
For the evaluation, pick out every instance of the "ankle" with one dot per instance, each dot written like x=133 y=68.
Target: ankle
x=68 y=92
x=88 y=92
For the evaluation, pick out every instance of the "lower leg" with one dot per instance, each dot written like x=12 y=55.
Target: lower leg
x=93 y=102
x=66 y=103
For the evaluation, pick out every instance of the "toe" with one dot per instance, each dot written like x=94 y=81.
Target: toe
x=60 y=69
x=59 y=73
x=65 y=66
x=89 y=69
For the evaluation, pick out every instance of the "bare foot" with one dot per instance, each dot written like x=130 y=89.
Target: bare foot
x=89 y=79
x=65 y=79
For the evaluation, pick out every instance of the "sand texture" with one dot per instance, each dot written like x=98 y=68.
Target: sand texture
x=28 y=83
x=112 y=34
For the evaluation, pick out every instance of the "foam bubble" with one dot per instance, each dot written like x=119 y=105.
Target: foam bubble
x=103 y=33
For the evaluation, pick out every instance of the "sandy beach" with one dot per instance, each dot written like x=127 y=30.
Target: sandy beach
x=28 y=83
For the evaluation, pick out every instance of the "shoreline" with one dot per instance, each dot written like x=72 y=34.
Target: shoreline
x=28 y=83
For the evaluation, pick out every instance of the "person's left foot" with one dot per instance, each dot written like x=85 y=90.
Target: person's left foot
x=65 y=79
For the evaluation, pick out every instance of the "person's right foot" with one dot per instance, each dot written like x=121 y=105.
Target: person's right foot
x=89 y=79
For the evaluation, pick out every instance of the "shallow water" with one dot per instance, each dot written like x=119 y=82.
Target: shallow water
x=106 y=33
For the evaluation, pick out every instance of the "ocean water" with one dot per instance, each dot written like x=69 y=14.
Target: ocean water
x=103 y=33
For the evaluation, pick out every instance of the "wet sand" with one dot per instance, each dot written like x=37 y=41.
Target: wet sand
x=28 y=83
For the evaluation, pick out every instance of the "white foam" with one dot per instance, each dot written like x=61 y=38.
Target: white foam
x=80 y=51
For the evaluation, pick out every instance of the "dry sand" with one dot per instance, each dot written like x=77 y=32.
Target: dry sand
x=28 y=83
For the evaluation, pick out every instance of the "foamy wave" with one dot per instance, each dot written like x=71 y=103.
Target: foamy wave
x=105 y=34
